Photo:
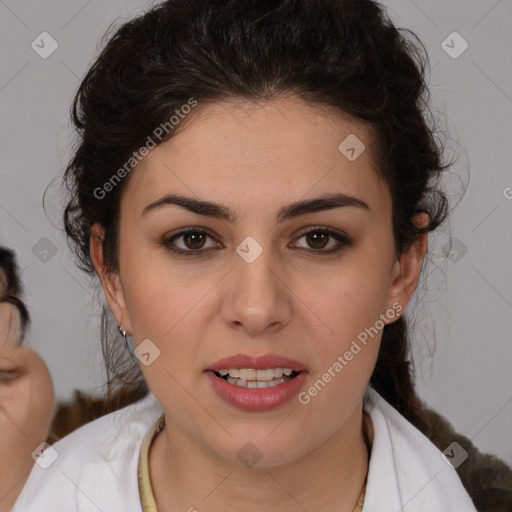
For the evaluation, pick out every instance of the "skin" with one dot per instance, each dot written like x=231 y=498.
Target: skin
x=27 y=407
x=292 y=301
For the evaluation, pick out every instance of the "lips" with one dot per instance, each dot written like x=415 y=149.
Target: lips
x=256 y=399
x=262 y=362
x=250 y=395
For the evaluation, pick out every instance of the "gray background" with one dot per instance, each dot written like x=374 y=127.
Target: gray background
x=464 y=317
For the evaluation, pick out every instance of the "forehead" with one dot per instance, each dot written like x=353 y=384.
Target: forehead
x=240 y=149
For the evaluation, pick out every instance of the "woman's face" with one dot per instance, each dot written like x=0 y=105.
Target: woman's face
x=262 y=281
x=27 y=406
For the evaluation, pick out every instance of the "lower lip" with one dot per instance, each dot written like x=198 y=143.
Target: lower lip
x=254 y=399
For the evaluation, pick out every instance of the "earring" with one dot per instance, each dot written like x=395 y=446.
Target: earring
x=122 y=330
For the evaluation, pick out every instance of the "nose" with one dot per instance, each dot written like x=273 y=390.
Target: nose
x=258 y=298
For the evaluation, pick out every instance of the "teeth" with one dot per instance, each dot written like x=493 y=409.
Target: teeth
x=246 y=374
x=265 y=375
x=250 y=374
x=255 y=383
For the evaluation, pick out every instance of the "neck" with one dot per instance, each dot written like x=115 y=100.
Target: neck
x=186 y=476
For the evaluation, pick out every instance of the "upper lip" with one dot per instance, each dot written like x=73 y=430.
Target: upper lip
x=257 y=362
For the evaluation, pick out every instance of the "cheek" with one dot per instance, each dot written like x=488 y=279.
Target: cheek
x=347 y=345
x=349 y=298
x=163 y=297
x=169 y=311
x=15 y=420
x=158 y=306
x=29 y=405
x=344 y=355
x=346 y=314
x=42 y=406
x=30 y=402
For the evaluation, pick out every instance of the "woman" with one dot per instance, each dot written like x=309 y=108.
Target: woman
x=27 y=402
x=254 y=187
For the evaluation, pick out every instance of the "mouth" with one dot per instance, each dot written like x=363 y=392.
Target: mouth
x=256 y=383
x=256 y=379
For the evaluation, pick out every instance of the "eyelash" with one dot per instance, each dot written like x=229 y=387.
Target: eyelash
x=343 y=239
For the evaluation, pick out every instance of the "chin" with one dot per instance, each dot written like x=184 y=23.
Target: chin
x=258 y=453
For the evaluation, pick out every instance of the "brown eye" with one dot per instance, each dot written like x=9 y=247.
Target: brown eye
x=192 y=242
x=318 y=239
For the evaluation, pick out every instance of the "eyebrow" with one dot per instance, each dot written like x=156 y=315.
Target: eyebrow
x=219 y=211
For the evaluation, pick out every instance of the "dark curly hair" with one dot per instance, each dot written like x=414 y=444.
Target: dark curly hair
x=342 y=54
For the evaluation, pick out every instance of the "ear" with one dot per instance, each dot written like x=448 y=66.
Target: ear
x=110 y=281
x=406 y=270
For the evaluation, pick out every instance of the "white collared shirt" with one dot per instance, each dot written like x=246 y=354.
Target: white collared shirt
x=96 y=466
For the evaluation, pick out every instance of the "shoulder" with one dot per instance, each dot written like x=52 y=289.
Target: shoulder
x=93 y=468
x=407 y=471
